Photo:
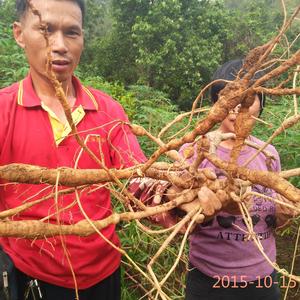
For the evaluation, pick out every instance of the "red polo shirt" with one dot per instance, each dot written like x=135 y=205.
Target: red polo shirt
x=26 y=136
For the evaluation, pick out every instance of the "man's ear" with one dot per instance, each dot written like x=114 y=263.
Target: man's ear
x=18 y=34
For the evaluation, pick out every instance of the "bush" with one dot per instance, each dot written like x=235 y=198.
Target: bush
x=13 y=64
x=144 y=106
x=287 y=143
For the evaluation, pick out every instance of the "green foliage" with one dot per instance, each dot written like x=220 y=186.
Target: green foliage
x=251 y=23
x=175 y=45
x=179 y=46
x=97 y=24
x=171 y=45
x=153 y=111
x=7 y=11
x=13 y=65
x=153 y=56
x=96 y=19
x=116 y=90
x=288 y=143
x=113 y=55
x=141 y=246
x=145 y=106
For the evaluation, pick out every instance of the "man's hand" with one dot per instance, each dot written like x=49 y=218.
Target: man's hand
x=154 y=192
x=210 y=202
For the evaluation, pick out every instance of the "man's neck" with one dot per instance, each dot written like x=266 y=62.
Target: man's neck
x=46 y=92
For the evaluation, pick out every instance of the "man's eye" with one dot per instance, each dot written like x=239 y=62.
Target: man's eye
x=42 y=28
x=73 y=33
x=47 y=29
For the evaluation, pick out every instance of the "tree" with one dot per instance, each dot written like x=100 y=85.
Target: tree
x=250 y=23
x=97 y=24
x=174 y=45
x=114 y=55
x=179 y=44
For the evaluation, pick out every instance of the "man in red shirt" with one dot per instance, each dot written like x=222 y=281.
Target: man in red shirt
x=34 y=130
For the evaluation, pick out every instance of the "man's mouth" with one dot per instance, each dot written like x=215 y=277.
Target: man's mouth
x=60 y=62
x=60 y=65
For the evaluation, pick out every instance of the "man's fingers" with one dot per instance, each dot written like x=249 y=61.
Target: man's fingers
x=222 y=196
x=173 y=192
x=208 y=209
x=159 y=192
x=203 y=197
x=209 y=174
x=211 y=202
x=217 y=204
x=187 y=207
x=200 y=219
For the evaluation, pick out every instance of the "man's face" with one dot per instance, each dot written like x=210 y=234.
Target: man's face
x=64 y=20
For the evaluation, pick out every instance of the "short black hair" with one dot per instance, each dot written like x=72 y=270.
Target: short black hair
x=22 y=6
x=229 y=71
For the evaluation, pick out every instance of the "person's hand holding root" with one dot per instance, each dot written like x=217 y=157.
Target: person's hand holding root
x=208 y=201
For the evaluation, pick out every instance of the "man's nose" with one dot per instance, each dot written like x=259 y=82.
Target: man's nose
x=58 y=43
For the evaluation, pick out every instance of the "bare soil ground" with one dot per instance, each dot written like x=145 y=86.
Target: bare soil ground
x=285 y=249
